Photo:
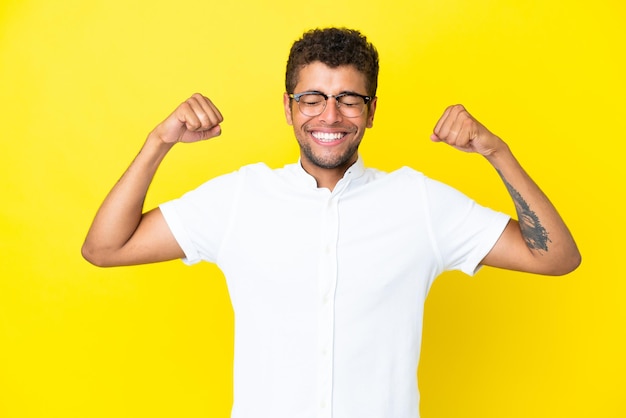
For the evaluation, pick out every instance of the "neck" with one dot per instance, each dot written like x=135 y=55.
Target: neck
x=327 y=178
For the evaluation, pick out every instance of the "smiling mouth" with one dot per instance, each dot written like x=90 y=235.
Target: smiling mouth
x=328 y=136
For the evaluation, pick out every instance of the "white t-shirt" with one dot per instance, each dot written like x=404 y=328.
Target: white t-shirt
x=328 y=288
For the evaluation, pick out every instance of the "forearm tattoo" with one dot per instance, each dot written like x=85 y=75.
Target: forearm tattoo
x=534 y=233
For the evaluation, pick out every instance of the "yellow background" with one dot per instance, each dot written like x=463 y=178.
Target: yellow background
x=82 y=83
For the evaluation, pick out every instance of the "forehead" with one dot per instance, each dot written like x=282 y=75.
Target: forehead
x=331 y=80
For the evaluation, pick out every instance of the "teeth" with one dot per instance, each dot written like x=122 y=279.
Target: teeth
x=327 y=137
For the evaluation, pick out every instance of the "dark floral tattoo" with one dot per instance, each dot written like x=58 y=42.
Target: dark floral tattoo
x=534 y=233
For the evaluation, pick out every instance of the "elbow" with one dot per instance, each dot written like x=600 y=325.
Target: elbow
x=575 y=262
x=567 y=265
x=93 y=256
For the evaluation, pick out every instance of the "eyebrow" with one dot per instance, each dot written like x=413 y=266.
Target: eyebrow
x=341 y=92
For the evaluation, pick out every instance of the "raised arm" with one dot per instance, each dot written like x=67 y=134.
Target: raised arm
x=539 y=241
x=121 y=233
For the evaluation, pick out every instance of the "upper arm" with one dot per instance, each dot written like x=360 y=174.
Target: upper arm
x=511 y=252
x=505 y=253
x=151 y=242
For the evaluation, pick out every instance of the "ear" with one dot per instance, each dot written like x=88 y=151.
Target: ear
x=371 y=111
x=287 y=105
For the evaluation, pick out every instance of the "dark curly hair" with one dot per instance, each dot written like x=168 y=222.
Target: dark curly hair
x=334 y=47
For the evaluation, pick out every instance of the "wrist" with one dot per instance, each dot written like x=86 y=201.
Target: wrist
x=153 y=151
x=500 y=155
x=155 y=143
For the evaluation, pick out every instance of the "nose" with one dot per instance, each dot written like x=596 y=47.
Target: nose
x=331 y=112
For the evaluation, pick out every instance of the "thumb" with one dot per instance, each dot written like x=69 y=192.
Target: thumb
x=199 y=135
x=194 y=136
x=214 y=131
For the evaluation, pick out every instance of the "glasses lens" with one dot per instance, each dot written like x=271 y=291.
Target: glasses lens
x=351 y=105
x=312 y=104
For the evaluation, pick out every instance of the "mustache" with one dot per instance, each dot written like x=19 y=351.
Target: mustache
x=309 y=127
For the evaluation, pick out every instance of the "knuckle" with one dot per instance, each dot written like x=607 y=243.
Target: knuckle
x=193 y=125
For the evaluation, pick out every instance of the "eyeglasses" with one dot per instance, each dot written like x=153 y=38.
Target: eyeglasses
x=313 y=103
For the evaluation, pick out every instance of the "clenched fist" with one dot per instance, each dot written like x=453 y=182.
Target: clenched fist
x=458 y=128
x=195 y=119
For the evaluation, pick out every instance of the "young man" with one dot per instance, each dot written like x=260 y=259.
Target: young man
x=328 y=263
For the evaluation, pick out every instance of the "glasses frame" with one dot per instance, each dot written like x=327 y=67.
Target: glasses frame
x=297 y=96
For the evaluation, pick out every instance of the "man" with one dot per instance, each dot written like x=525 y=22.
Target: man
x=328 y=263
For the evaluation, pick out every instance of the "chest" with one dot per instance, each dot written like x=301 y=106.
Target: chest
x=362 y=241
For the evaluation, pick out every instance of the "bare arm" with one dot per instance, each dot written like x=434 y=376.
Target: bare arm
x=121 y=233
x=539 y=241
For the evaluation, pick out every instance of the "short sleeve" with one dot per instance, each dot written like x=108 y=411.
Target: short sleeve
x=464 y=231
x=199 y=219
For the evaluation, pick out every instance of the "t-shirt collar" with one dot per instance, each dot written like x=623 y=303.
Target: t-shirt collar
x=356 y=170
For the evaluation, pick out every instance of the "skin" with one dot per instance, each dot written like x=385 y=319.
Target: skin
x=122 y=234
x=328 y=160
x=540 y=242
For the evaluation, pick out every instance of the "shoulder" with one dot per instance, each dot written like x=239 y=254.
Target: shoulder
x=411 y=185
x=432 y=187
x=230 y=179
x=404 y=177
